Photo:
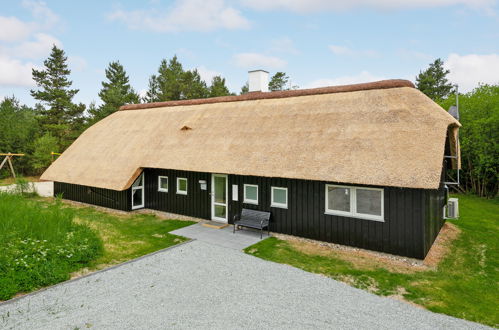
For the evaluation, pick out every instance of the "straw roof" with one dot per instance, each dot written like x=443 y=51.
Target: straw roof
x=385 y=133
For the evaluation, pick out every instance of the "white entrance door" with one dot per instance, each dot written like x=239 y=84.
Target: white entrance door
x=138 y=193
x=219 y=197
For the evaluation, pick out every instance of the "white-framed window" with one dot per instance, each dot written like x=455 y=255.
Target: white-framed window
x=251 y=194
x=356 y=202
x=182 y=186
x=279 y=197
x=163 y=183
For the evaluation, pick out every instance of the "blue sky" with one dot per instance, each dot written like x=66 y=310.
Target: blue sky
x=317 y=42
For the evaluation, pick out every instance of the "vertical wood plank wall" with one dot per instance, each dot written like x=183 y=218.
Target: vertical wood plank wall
x=413 y=217
x=195 y=204
x=119 y=200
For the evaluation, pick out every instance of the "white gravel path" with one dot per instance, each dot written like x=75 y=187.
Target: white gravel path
x=198 y=285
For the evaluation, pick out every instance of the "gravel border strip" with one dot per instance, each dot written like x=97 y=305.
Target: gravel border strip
x=6 y=302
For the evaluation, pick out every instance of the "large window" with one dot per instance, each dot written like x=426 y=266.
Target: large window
x=250 y=194
x=279 y=197
x=182 y=186
x=358 y=202
x=163 y=183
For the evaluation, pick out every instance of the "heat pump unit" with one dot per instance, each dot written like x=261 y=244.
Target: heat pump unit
x=452 y=209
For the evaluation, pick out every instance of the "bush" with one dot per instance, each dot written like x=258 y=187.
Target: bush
x=43 y=146
x=39 y=245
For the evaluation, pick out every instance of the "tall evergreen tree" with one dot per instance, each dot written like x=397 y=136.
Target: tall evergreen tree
x=433 y=81
x=193 y=87
x=218 y=88
x=169 y=80
x=244 y=89
x=152 y=94
x=59 y=115
x=278 y=82
x=18 y=128
x=172 y=82
x=115 y=92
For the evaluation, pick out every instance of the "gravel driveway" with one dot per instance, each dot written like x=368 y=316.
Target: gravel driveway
x=198 y=285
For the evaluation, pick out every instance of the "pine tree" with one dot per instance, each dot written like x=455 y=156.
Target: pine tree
x=115 y=92
x=169 y=80
x=59 y=115
x=244 y=89
x=172 y=82
x=433 y=81
x=278 y=82
x=152 y=94
x=193 y=87
x=218 y=88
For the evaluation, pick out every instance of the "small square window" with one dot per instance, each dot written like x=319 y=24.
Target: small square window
x=182 y=186
x=251 y=194
x=163 y=183
x=279 y=197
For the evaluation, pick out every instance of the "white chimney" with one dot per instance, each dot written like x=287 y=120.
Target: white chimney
x=258 y=81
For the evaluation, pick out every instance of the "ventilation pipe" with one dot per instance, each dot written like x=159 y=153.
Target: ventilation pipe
x=258 y=81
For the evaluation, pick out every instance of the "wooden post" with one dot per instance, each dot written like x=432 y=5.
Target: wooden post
x=8 y=159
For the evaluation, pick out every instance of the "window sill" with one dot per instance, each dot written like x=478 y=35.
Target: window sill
x=250 y=202
x=159 y=190
x=356 y=216
x=181 y=192
x=280 y=206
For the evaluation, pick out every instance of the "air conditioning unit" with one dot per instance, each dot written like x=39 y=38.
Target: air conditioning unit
x=451 y=210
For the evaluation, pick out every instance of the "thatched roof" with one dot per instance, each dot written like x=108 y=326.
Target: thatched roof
x=386 y=134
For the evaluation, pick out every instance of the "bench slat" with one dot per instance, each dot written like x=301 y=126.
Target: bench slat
x=253 y=219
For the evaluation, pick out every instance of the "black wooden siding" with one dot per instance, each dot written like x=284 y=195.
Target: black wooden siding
x=413 y=217
x=119 y=200
x=402 y=232
x=195 y=204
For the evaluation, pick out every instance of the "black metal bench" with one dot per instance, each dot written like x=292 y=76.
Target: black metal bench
x=253 y=219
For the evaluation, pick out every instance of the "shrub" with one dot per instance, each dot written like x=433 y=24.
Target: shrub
x=39 y=245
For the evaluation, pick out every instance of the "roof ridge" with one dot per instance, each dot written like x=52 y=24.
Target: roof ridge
x=382 y=84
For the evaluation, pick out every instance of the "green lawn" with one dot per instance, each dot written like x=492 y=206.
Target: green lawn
x=43 y=242
x=464 y=284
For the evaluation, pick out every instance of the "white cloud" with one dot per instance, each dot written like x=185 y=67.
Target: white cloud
x=13 y=29
x=21 y=40
x=15 y=73
x=343 y=50
x=284 y=45
x=362 y=77
x=143 y=93
x=306 y=6
x=184 y=15
x=44 y=17
x=469 y=70
x=207 y=74
x=258 y=61
x=40 y=46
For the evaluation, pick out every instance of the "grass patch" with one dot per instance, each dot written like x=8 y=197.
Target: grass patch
x=40 y=245
x=464 y=284
x=128 y=236
x=43 y=242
